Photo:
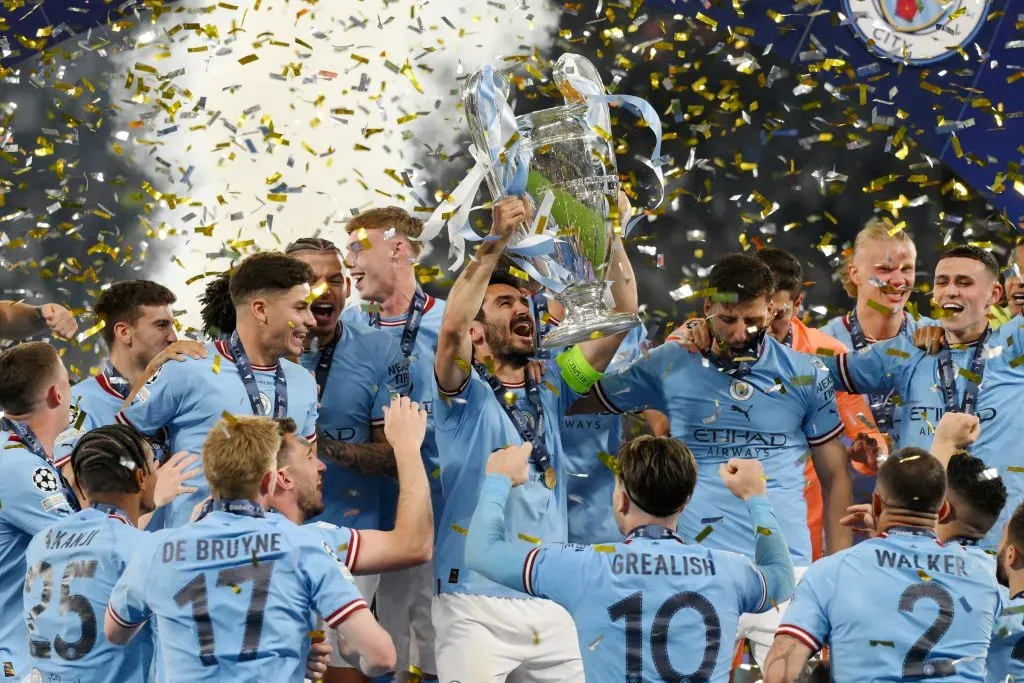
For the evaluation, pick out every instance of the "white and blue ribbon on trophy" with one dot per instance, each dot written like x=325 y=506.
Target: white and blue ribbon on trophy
x=509 y=170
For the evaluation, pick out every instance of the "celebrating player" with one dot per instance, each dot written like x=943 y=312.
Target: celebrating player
x=19 y=320
x=942 y=600
x=246 y=373
x=865 y=443
x=486 y=401
x=640 y=605
x=299 y=497
x=1013 y=282
x=966 y=284
x=357 y=371
x=1006 y=654
x=35 y=396
x=748 y=397
x=879 y=273
x=85 y=555
x=236 y=590
x=382 y=251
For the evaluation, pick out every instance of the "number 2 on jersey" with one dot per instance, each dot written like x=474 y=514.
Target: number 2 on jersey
x=631 y=608
x=914 y=665
x=195 y=592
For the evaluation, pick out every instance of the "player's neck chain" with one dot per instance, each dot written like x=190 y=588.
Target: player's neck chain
x=241 y=507
x=412 y=321
x=326 y=357
x=947 y=377
x=540 y=456
x=655 y=532
x=249 y=380
x=909 y=531
x=24 y=435
x=113 y=511
x=118 y=382
x=882 y=405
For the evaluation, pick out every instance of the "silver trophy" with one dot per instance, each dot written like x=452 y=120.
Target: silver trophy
x=566 y=153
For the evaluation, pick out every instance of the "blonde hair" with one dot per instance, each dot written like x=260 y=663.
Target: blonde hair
x=875 y=230
x=237 y=452
x=405 y=225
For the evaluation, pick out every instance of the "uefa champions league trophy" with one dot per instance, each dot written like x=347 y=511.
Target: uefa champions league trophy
x=564 y=159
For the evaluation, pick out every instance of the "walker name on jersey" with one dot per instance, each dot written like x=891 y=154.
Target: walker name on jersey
x=63 y=540
x=953 y=565
x=209 y=549
x=735 y=443
x=645 y=564
x=927 y=417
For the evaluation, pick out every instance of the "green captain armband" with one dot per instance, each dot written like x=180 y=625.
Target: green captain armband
x=576 y=371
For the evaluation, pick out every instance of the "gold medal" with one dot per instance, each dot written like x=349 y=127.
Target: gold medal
x=549 y=477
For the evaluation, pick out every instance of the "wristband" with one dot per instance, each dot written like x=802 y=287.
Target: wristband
x=576 y=371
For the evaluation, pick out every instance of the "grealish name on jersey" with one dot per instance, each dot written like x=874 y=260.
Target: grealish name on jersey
x=213 y=549
x=646 y=564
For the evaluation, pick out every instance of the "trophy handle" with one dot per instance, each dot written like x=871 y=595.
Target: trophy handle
x=573 y=73
x=480 y=111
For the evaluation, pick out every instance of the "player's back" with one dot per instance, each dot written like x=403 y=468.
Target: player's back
x=653 y=608
x=898 y=607
x=72 y=569
x=231 y=599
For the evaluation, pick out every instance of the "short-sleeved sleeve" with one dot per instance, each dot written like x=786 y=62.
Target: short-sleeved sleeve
x=641 y=384
x=309 y=392
x=452 y=408
x=128 y=606
x=806 y=618
x=30 y=494
x=557 y=572
x=331 y=587
x=821 y=421
x=874 y=369
x=159 y=400
x=394 y=378
x=343 y=541
x=751 y=588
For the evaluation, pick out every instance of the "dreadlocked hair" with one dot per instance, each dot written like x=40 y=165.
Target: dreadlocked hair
x=312 y=244
x=218 y=312
x=106 y=458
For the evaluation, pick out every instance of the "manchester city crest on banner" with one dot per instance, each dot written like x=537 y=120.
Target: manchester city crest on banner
x=268 y=408
x=917 y=31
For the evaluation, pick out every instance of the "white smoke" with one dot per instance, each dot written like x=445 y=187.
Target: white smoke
x=328 y=116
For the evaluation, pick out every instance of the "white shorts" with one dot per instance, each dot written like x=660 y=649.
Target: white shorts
x=760 y=629
x=482 y=639
x=367 y=585
x=403 y=610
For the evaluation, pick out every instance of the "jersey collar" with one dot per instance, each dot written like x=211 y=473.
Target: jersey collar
x=400 y=320
x=653 y=532
x=225 y=350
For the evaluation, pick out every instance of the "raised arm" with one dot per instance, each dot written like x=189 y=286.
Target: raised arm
x=454 y=348
x=19 y=320
x=377 y=458
x=787 y=661
x=599 y=352
x=954 y=433
x=412 y=540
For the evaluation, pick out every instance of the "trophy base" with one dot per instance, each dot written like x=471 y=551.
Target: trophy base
x=587 y=317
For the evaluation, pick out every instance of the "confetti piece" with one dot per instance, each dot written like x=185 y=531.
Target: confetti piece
x=82 y=336
x=316 y=292
x=1017 y=362
x=604 y=548
x=899 y=353
x=764 y=531
x=316 y=636
x=881 y=643
x=704 y=533
x=1017 y=469
x=248 y=59
x=969 y=376
x=880 y=307
x=924 y=575
x=215 y=367
x=595 y=642
x=529 y=539
x=802 y=380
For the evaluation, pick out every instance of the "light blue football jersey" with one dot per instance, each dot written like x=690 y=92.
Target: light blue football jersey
x=82 y=556
x=898 y=607
x=774 y=414
x=190 y=396
x=234 y=595
x=1006 y=652
x=470 y=424
x=839 y=328
x=650 y=609
x=588 y=441
x=367 y=369
x=421 y=390
x=30 y=500
x=343 y=541
x=898 y=364
x=95 y=402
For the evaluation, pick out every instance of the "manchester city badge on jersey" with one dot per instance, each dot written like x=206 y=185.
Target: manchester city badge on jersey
x=916 y=31
x=44 y=480
x=740 y=390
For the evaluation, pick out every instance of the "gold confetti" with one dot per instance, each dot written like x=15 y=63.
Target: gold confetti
x=969 y=376
x=82 y=336
x=822 y=351
x=459 y=529
x=316 y=292
x=529 y=539
x=1017 y=362
x=880 y=307
x=924 y=575
x=1016 y=469
x=764 y=531
x=604 y=548
x=704 y=533
x=248 y=59
x=216 y=365
x=802 y=380
x=707 y=20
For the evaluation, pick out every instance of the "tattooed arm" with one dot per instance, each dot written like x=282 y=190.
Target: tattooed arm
x=376 y=458
x=787 y=661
